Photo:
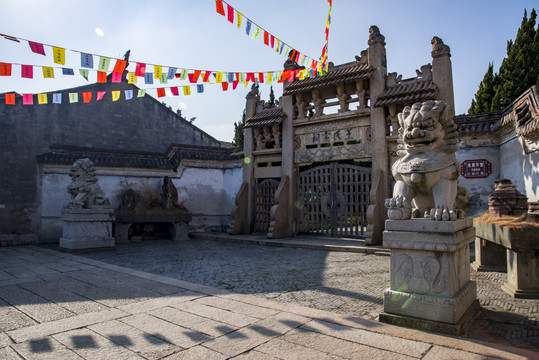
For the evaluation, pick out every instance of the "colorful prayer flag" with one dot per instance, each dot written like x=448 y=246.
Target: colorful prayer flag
x=184 y=74
x=59 y=55
x=132 y=78
x=206 y=76
x=278 y=45
x=104 y=63
x=230 y=12
x=148 y=78
x=67 y=71
x=225 y=86
x=116 y=77
x=10 y=99
x=241 y=78
x=128 y=94
x=141 y=92
x=27 y=71
x=247 y=28
x=84 y=73
x=87 y=96
x=73 y=97
x=115 y=95
x=174 y=91
x=100 y=95
x=171 y=73
x=270 y=77
x=5 y=69
x=86 y=60
x=27 y=99
x=219 y=7
x=120 y=66
x=42 y=99
x=256 y=33
x=161 y=92
x=36 y=48
x=238 y=17
x=200 y=88
x=218 y=77
x=9 y=37
x=48 y=72
x=193 y=78
x=187 y=90
x=163 y=79
x=57 y=98
x=158 y=70
x=101 y=77
x=266 y=38
x=140 y=69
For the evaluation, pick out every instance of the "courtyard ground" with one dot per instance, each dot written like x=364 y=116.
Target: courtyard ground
x=217 y=300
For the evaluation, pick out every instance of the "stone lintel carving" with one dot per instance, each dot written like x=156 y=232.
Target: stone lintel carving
x=427 y=171
x=318 y=103
x=439 y=48
x=343 y=152
x=84 y=189
x=361 y=92
x=279 y=212
x=343 y=97
x=506 y=200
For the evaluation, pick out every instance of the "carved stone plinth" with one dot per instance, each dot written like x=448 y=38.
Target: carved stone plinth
x=87 y=228
x=430 y=275
x=178 y=220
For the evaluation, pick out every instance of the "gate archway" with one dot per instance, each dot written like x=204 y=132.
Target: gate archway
x=264 y=200
x=333 y=200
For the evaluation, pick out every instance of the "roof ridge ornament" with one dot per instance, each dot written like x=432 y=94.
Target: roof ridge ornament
x=439 y=48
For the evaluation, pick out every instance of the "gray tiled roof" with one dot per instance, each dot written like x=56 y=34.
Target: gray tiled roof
x=407 y=92
x=268 y=116
x=478 y=123
x=66 y=155
x=337 y=74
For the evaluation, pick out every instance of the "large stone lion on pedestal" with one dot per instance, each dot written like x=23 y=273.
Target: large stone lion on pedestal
x=84 y=189
x=427 y=172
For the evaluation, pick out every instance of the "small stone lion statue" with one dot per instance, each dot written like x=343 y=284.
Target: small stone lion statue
x=427 y=172
x=85 y=192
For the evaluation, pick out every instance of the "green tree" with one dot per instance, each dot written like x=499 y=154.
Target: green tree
x=238 y=132
x=518 y=72
x=271 y=102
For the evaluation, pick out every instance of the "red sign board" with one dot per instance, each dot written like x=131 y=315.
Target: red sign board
x=479 y=168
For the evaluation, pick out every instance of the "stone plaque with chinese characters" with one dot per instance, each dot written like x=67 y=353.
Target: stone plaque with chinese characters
x=474 y=169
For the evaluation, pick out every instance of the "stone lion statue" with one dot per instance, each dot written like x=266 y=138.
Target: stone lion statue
x=83 y=188
x=427 y=171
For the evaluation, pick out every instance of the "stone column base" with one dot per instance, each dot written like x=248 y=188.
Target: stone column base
x=87 y=229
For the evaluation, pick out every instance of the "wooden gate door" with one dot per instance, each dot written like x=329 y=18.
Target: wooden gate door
x=264 y=200
x=333 y=200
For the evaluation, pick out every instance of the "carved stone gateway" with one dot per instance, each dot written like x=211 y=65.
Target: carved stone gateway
x=88 y=216
x=429 y=240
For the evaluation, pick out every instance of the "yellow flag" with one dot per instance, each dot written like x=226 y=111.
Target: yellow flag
x=219 y=77
x=132 y=78
x=42 y=98
x=158 y=70
x=278 y=45
x=48 y=72
x=59 y=55
x=238 y=16
x=270 y=77
x=187 y=90
x=115 y=95
x=256 y=33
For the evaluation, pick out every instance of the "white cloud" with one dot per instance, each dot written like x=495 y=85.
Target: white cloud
x=99 y=31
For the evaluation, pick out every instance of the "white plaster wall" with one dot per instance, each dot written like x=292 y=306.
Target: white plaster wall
x=521 y=168
x=207 y=193
x=479 y=189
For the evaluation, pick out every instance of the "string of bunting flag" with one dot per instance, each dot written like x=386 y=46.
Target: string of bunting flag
x=270 y=40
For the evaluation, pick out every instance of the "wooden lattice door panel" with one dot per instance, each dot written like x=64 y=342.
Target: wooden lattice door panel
x=264 y=200
x=334 y=200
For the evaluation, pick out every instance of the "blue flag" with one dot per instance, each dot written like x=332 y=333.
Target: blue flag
x=200 y=88
x=148 y=78
x=67 y=71
x=248 y=27
x=86 y=60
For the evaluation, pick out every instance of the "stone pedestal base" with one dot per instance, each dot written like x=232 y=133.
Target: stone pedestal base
x=430 y=274
x=87 y=229
x=177 y=219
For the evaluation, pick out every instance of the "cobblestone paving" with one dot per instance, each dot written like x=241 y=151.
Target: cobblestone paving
x=341 y=282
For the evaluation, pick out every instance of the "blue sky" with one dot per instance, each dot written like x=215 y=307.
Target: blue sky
x=190 y=34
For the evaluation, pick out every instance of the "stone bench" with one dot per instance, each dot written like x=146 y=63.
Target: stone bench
x=503 y=248
x=178 y=219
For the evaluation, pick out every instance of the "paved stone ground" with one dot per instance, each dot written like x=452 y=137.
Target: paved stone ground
x=341 y=282
x=55 y=305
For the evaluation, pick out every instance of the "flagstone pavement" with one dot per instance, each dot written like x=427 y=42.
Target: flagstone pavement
x=204 y=299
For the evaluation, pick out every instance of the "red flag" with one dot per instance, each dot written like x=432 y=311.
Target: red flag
x=5 y=69
x=266 y=38
x=219 y=6
x=161 y=92
x=27 y=99
x=116 y=77
x=10 y=99
x=272 y=41
x=224 y=85
x=37 y=47
x=100 y=95
x=235 y=84
x=250 y=77
x=193 y=78
x=120 y=66
x=101 y=77
x=174 y=91
x=87 y=96
x=261 y=77
x=140 y=69
x=206 y=76
x=230 y=12
x=27 y=71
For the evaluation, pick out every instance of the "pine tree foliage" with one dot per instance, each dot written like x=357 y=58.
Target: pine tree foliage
x=238 y=132
x=518 y=71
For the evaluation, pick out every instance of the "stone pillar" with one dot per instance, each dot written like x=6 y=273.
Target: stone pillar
x=380 y=162
x=252 y=99
x=430 y=275
x=442 y=73
x=287 y=156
